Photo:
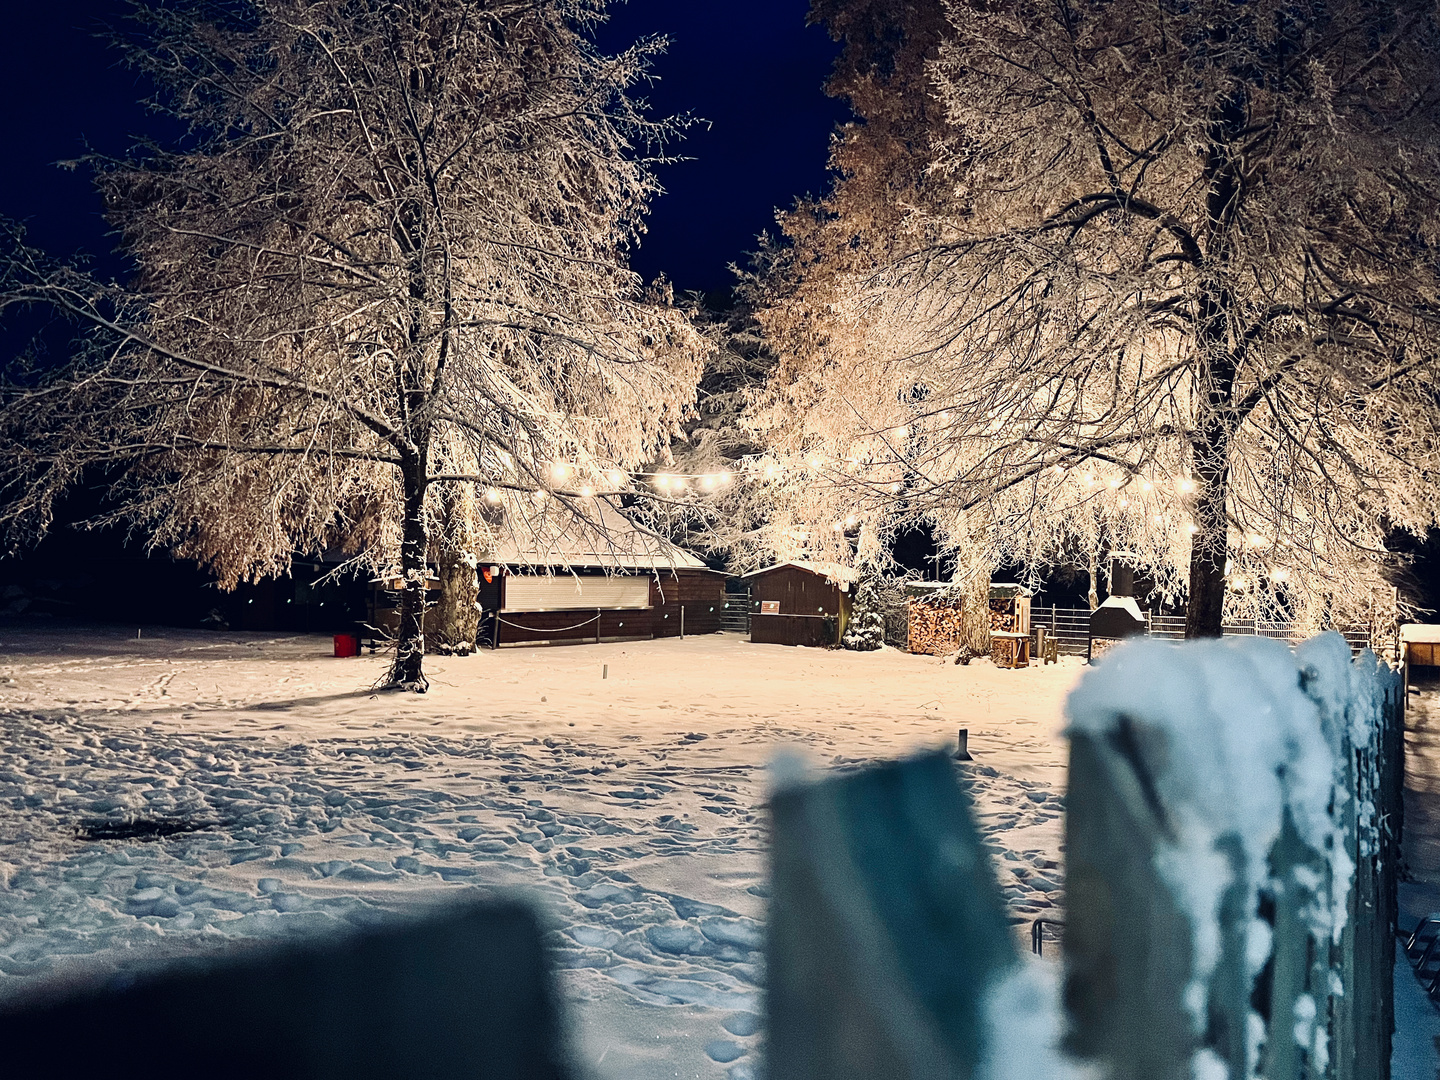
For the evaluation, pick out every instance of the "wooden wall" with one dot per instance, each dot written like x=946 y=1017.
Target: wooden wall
x=529 y=627
x=805 y=599
x=701 y=592
x=815 y=631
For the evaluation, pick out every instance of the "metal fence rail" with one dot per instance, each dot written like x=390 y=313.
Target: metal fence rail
x=1071 y=628
x=735 y=615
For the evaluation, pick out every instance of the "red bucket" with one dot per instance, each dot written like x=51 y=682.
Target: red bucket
x=347 y=645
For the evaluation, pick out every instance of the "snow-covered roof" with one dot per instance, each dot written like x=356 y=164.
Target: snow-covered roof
x=840 y=575
x=604 y=538
x=1426 y=632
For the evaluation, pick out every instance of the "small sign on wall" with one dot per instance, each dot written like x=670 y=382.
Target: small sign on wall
x=769 y=607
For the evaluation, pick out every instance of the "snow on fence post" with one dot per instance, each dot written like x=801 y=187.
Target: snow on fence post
x=889 y=951
x=1231 y=837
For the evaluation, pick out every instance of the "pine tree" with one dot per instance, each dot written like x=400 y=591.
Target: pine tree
x=866 y=630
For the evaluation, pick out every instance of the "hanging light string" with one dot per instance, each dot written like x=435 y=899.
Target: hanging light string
x=673 y=485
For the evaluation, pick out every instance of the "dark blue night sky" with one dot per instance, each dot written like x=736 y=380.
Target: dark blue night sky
x=750 y=67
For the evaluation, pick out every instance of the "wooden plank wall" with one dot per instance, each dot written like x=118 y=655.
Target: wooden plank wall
x=701 y=592
x=815 y=631
x=799 y=591
x=528 y=627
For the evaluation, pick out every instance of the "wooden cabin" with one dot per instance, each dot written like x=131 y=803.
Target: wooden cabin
x=567 y=581
x=800 y=603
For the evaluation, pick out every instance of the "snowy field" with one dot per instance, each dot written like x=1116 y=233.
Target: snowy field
x=620 y=785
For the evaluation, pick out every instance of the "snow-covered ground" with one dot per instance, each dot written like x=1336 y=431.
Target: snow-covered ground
x=620 y=785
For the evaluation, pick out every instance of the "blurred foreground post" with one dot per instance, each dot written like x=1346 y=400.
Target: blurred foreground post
x=465 y=993
x=886 y=928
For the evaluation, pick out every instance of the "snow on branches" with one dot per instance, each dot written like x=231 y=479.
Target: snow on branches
x=388 y=260
x=1162 y=279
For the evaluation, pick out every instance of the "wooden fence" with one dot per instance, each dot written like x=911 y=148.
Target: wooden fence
x=1232 y=838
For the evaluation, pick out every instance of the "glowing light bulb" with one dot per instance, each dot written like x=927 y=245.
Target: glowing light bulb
x=492 y=495
x=1192 y=529
x=586 y=491
x=725 y=477
x=901 y=431
x=1124 y=502
x=896 y=487
x=1089 y=479
x=559 y=471
x=1159 y=519
x=1117 y=482
x=1238 y=581
x=851 y=521
x=1279 y=575
x=1185 y=486
x=771 y=470
x=678 y=483
x=839 y=526
x=707 y=482
x=615 y=477
x=662 y=481
x=815 y=463
x=1147 y=486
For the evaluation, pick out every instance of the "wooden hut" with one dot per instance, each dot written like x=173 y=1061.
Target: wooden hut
x=558 y=580
x=800 y=603
x=569 y=581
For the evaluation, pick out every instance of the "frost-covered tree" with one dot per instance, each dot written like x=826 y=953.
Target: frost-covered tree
x=1165 y=280
x=866 y=628
x=387 y=262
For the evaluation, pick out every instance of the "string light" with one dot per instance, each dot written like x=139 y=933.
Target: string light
x=1117 y=482
x=559 y=471
x=615 y=477
x=492 y=495
x=850 y=522
x=1147 y=486
x=1185 y=486
x=586 y=491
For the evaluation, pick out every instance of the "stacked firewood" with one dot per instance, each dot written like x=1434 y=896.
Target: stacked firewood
x=934 y=626
x=1004 y=616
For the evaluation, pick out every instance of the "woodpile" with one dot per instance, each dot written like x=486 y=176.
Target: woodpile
x=935 y=627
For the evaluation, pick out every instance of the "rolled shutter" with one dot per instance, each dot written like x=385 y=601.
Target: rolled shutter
x=566 y=591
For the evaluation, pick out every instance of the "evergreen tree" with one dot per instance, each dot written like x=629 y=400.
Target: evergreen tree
x=867 y=622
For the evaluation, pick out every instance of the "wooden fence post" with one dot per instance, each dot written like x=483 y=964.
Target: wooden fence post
x=1158 y=873
x=886 y=928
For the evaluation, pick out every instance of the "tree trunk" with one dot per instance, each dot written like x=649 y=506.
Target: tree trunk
x=1209 y=545
x=975 y=611
x=455 y=620
x=408 y=670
